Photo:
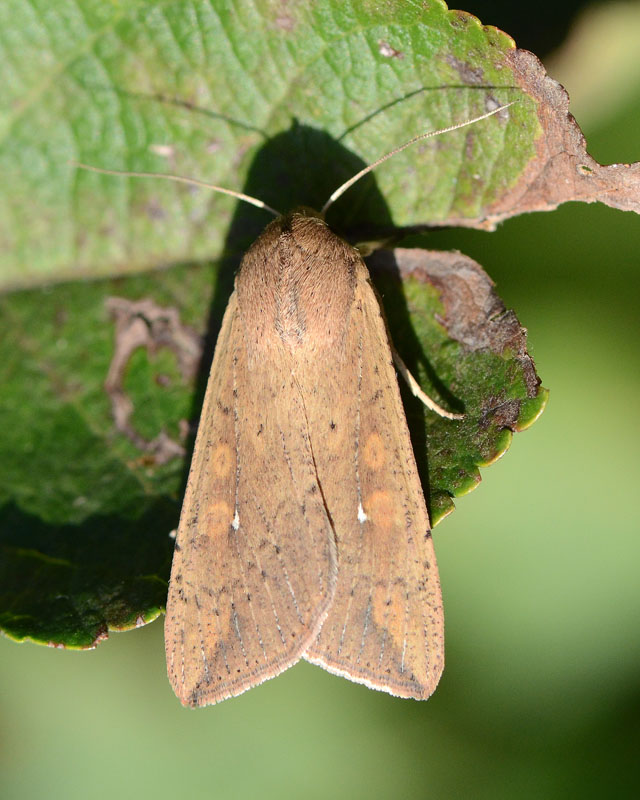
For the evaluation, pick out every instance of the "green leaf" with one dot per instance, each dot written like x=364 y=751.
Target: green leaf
x=68 y=585
x=249 y=96
x=469 y=353
x=103 y=381
x=89 y=502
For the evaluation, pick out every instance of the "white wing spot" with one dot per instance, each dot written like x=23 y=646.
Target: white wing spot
x=362 y=517
x=235 y=522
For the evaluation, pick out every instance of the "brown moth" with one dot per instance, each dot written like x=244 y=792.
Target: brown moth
x=304 y=532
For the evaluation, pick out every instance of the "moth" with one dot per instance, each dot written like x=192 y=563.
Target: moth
x=304 y=532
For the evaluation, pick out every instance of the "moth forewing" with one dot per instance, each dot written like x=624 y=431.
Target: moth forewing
x=385 y=627
x=192 y=616
x=255 y=563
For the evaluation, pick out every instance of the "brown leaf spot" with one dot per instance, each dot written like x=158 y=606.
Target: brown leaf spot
x=386 y=50
x=144 y=324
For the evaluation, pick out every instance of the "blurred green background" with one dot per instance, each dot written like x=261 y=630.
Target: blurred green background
x=541 y=694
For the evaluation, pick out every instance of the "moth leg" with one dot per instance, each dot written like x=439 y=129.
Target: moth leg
x=413 y=384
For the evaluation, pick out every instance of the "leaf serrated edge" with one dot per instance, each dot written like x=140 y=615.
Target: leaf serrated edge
x=443 y=508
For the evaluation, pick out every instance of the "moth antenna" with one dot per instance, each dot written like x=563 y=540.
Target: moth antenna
x=413 y=384
x=181 y=179
x=342 y=189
